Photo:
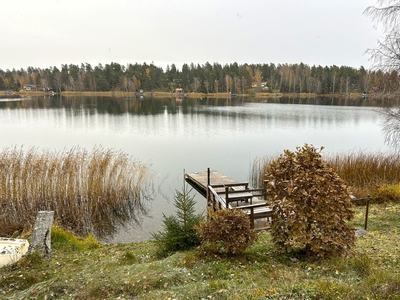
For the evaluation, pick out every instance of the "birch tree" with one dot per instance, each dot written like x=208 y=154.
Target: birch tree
x=386 y=55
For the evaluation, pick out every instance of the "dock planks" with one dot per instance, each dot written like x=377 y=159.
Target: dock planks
x=199 y=180
x=223 y=192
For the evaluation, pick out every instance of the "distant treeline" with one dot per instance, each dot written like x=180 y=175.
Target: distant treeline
x=206 y=78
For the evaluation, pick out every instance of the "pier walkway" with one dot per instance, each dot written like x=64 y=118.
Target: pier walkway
x=222 y=192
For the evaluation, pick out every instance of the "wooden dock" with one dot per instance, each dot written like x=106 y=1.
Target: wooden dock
x=222 y=192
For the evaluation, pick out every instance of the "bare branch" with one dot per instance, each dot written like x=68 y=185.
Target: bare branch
x=386 y=55
x=387 y=14
x=391 y=126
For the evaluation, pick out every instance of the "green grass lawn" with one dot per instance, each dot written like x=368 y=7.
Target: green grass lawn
x=83 y=269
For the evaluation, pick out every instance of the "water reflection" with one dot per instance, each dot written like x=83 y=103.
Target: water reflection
x=334 y=101
x=192 y=134
x=232 y=114
x=153 y=106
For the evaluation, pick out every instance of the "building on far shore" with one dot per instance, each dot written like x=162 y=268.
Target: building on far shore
x=29 y=87
x=179 y=91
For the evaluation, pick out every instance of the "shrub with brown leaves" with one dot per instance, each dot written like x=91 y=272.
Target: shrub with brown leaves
x=311 y=205
x=226 y=232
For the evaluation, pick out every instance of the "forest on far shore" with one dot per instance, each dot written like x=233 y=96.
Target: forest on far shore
x=206 y=78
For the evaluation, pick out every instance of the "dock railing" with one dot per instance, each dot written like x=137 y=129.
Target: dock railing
x=222 y=196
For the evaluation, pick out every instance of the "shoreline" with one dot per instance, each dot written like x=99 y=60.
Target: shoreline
x=196 y=95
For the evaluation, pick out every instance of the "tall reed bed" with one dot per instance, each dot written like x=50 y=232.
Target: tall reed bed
x=90 y=191
x=361 y=171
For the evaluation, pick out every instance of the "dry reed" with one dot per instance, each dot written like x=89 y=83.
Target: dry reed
x=90 y=192
x=363 y=172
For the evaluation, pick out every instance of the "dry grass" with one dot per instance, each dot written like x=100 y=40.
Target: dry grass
x=217 y=95
x=195 y=95
x=90 y=192
x=99 y=94
x=363 y=172
x=258 y=169
x=268 y=95
x=162 y=94
x=32 y=93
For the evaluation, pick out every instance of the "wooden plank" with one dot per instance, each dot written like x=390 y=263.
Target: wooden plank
x=198 y=180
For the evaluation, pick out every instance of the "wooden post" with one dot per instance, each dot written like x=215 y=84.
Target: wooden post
x=265 y=189
x=41 y=235
x=366 y=212
x=226 y=196
x=208 y=189
x=252 y=218
x=366 y=201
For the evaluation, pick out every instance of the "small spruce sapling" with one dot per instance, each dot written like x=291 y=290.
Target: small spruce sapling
x=179 y=230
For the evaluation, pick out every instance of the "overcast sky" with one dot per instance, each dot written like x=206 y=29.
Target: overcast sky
x=46 y=33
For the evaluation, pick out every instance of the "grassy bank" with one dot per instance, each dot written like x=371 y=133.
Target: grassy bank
x=32 y=93
x=85 y=270
x=99 y=94
x=161 y=94
x=155 y=94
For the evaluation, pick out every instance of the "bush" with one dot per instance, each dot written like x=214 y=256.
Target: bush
x=387 y=193
x=226 y=232
x=64 y=240
x=179 y=230
x=311 y=205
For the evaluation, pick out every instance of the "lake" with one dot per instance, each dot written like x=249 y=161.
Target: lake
x=190 y=134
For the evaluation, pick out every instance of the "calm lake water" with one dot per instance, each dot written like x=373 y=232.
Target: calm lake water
x=192 y=135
